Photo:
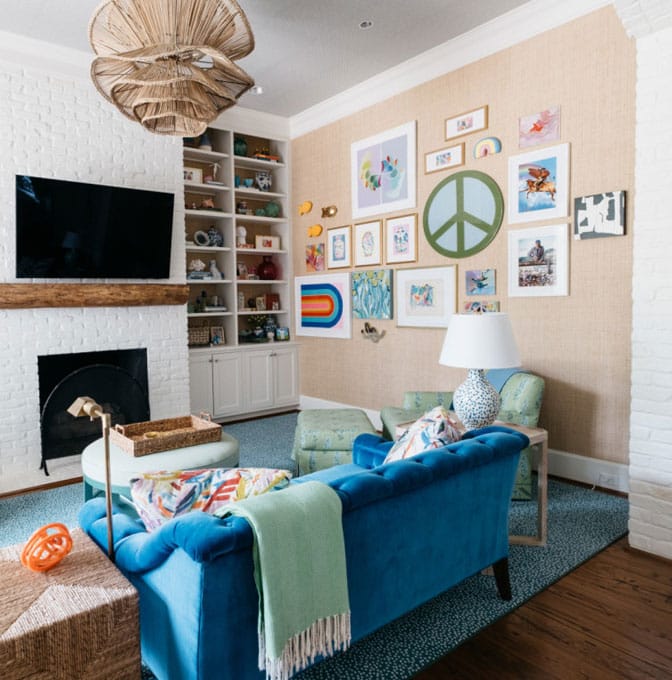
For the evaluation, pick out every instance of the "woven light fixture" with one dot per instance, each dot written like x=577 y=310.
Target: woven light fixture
x=169 y=64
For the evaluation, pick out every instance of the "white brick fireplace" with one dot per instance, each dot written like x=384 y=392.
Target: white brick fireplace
x=55 y=126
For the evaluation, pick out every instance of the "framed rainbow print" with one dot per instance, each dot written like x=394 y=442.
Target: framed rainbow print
x=323 y=306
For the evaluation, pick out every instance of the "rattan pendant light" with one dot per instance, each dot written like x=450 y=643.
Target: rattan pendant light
x=169 y=64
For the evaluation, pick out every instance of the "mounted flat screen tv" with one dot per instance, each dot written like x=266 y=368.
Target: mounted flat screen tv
x=67 y=230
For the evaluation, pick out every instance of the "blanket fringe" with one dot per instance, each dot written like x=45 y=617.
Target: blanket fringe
x=324 y=637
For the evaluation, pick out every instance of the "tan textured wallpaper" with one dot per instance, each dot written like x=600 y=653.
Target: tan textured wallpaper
x=580 y=343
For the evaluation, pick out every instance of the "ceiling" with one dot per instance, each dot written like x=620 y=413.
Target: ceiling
x=306 y=50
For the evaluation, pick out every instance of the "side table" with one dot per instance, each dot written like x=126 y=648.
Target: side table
x=79 y=619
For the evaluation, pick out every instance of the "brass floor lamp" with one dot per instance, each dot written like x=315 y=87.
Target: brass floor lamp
x=86 y=406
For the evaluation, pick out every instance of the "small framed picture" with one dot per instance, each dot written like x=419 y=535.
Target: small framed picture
x=217 y=336
x=339 y=247
x=261 y=303
x=241 y=270
x=193 y=175
x=367 y=243
x=401 y=239
x=442 y=159
x=467 y=122
x=267 y=242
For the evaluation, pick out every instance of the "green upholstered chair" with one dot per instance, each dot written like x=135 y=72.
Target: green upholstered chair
x=521 y=394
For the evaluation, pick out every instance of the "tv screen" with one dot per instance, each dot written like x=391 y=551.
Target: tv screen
x=68 y=230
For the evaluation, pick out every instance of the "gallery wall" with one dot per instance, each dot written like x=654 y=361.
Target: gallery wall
x=580 y=343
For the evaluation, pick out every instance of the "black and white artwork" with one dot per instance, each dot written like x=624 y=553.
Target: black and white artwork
x=599 y=215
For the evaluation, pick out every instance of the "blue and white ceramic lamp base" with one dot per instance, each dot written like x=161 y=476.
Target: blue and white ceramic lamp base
x=476 y=401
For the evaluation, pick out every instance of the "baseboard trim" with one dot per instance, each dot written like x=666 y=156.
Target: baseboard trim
x=591 y=471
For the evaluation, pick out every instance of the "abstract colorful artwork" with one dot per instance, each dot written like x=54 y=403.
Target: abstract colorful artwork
x=466 y=123
x=425 y=297
x=372 y=294
x=539 y=128
x=599 y=215
x=339 y=247
x=401 y=239
x=480 y=282
x=480 y=307
x=323 y=306
x=315 y=257
x=367 y=242
x=488 y=146
x=383 y=172
x=442 y=159
x=538 y=184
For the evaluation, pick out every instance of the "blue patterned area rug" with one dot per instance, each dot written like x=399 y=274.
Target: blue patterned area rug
x=581 y=522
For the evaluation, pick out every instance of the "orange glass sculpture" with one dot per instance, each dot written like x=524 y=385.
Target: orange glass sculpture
x=46 y=547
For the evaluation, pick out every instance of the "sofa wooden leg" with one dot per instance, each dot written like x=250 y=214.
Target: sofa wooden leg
x=501 y=570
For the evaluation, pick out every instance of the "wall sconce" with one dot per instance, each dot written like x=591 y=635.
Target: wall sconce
x=85 y=406
x=369 y=332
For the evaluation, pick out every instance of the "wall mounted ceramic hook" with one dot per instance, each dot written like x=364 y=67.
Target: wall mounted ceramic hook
x=369 y=332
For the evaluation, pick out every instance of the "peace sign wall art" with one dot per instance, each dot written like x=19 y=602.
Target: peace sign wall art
x=539 y=184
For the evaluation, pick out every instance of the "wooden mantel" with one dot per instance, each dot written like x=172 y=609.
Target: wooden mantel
x=32 y=295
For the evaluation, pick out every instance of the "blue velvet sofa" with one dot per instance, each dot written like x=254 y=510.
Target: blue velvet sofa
x=412 y=529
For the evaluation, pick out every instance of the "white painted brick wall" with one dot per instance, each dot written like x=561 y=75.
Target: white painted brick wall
x=651 y=415
x=54 y=126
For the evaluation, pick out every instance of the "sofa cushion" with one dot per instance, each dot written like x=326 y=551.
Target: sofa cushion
x=160 y=496
x=433 y=430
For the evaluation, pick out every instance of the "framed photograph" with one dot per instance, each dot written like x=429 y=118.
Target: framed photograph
x=539 y=261
x=479 y=282
x=367 y=243
x=217 y=336
x=267 y=242
x=193 y=175
x=272 y=301
x=401 y=239
x=539 y=184
x=425 y=297
x=442 y=159
x=372 y=294
x=315 y=257
x=467 y=122
x=382 y=172
x=539 y=128
x=339 y=247
x=599 y=215
x=260 y=303
x=241 y=270
x=323 y=305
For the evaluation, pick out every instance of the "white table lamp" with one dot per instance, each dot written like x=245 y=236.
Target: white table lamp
x=478 y=342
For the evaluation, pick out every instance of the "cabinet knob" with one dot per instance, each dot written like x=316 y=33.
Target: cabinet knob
x=216 y=361
x=210 y=360
x=273 y=354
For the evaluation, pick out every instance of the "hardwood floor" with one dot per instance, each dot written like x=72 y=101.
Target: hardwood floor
x=610 y=619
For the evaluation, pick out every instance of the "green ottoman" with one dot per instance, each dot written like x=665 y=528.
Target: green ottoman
x=324 y=437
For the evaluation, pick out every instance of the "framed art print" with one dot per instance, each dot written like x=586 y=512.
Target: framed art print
x=367 y=243
x=315 y=257
x=539 y=128
x=382 y=173
x=467 y=122
x=425 y=297
x=480 y=282
x=401 y=239
x=339 y=247
x=539 y=261
x=539 y=184
x=323 y=305
x=372 y=294
x=442 y=159
x=599 y=215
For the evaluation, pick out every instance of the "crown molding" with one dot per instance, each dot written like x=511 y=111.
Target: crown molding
x=520 y=24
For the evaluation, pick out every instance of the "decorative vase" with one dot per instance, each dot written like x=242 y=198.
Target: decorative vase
x=214 y=270
x=266 y=270
x=476 y=401
x=215 y=237
x=204 y=143
x=240 y=146
x=263 y=180
x=272 y=209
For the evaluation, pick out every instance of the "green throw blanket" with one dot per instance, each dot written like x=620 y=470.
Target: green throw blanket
x=299 y=560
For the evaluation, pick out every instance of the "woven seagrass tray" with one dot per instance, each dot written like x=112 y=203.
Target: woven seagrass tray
x=152 y=436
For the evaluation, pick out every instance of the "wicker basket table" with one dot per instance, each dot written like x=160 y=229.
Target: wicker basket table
x=77 y=620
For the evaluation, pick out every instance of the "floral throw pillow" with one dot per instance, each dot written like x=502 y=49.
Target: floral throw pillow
x=433 y=430
x=160 y=496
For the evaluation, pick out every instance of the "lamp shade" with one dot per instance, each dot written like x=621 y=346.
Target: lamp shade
x=480 y=341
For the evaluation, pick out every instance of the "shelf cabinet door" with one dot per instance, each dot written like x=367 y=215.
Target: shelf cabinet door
x=227 y=384
x=259 y=380
x=285 y=376
x=200 y=383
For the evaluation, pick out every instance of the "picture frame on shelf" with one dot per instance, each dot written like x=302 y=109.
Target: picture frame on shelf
x=401 y=239
x=539 y=261
x=260 y=303
x=539 y=184
x=443 y=159
x=382 y=172
x=427 y=297
x=323 y=305
x=267 y=242
x=466 y=123
x=193 y=175
x=241 y=270
x=339 y=247
x=367 y=243
x=217 y=336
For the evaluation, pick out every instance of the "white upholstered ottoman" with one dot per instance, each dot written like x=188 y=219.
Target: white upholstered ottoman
x=124 y=466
